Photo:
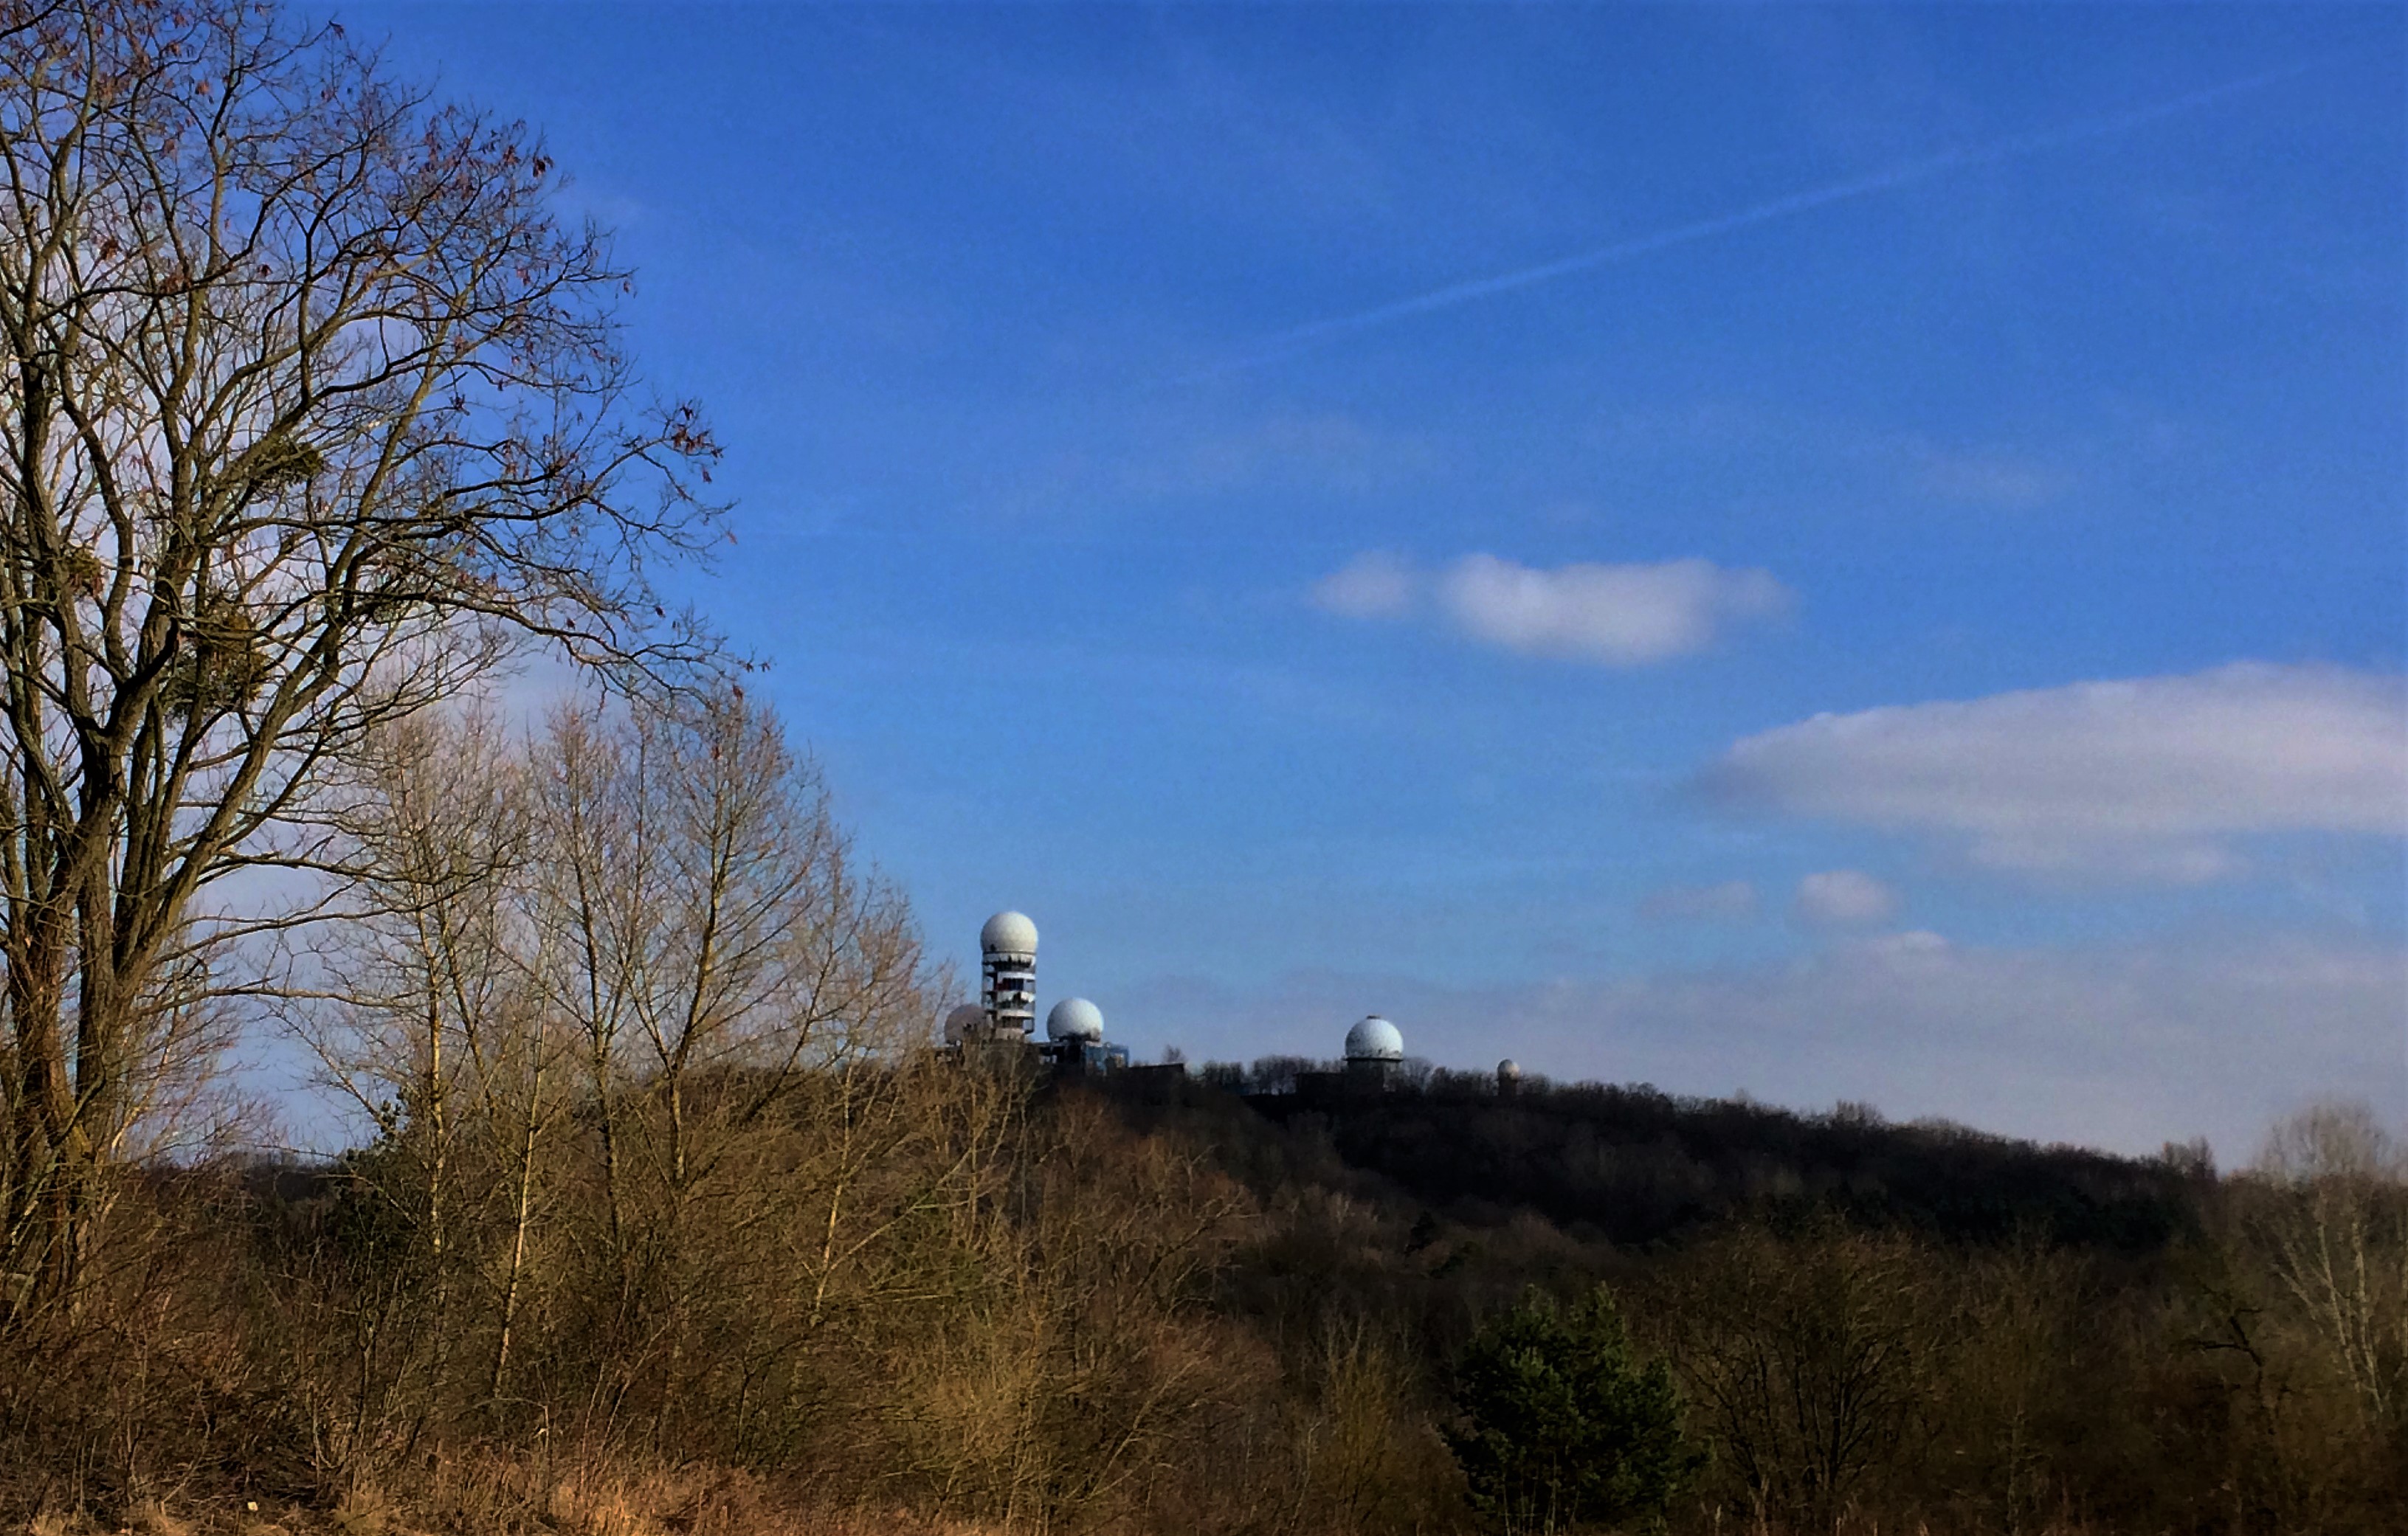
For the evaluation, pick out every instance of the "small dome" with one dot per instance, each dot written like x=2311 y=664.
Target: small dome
x=1508 y=1071
x=963 y=1022
x=1008 y=933
x=1074 y=1019
x=1374 y=1040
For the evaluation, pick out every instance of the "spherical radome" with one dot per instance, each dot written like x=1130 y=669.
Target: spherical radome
x=963 y=1021
x=1074 y=1019
x=1508 y=1071
x=1008 y=933
x=1375 y=1039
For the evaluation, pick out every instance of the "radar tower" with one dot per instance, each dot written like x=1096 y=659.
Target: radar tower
x=1008 y=975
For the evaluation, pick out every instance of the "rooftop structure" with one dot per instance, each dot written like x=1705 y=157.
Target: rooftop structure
x=965 y=1022
x=1005 y=1016
x=1375 y=1052
x=1374 y=1039
x=1074 y=1039
x=1074 y=1019
x=1008 y=933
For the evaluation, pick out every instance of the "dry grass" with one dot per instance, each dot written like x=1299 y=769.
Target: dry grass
x=599 y=1501
x=495 y=1495
x=577 y=1514
x=152 y=1518
x=614 y=1496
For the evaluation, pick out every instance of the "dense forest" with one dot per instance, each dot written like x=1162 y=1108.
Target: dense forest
x=655 y=1206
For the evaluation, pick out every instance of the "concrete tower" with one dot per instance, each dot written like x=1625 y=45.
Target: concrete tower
x=1008 y=975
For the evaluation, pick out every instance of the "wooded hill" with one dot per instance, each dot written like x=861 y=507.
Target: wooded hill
x=932 y=1291
x=1631 y=1165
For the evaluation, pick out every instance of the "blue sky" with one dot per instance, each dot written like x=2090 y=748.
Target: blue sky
x=2025 y=386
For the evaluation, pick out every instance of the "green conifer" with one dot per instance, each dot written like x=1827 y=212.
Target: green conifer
x=1560 y=1427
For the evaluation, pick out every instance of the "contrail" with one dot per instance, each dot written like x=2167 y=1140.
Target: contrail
x=1304 y=337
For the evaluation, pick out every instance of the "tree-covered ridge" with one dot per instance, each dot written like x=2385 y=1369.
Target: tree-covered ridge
x=1635 y=1165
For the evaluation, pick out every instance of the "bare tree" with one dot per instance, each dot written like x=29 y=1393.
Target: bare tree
x=415 y=1003
x=628 y=1025
x=315 y=416
x=2334 y=1230
x=709 y=939
x=1804 y=1362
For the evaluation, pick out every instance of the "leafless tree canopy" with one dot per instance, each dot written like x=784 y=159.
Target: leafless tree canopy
x=315 y=416
x=623 y=1018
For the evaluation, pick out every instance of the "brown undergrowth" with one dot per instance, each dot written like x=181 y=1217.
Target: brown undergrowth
x=496 y=1494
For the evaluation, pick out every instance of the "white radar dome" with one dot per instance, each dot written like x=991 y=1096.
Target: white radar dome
x=1508 y=1071
x=1075 y=1018
x=964 y=1021
x=1008 y=933
x=1374 y=1040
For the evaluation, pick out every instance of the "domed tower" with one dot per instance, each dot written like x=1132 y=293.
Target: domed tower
x=1008 y=975
x=1374 y=1051
x=1074 y=1019
x=1074 y=1038
x=1509 y=1078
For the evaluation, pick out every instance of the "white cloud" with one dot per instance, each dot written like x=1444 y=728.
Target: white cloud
x=1732 y=901
x=2002 y=480
x=1843 y=898
x=1904 y=948
x=1326 y=452
x=1376 y=584
x=1618 y=616
x=2123 y=1046
x=2144 y=778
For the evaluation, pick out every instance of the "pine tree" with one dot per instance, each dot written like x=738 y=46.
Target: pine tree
x=1560 y=1427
